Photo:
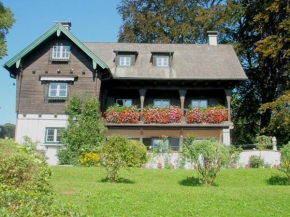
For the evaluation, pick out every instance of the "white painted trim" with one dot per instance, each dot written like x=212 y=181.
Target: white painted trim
x=52 y=78
x=226 y=137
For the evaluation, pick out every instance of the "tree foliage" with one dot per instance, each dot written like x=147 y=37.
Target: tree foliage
x=85 y=131
x=119 y=152
x=208 y=155
x=175 y=21
x=279 y=124
x=6 y=22
x=7 y=130
x=262 y=41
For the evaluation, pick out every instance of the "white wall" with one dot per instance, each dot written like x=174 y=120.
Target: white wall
x=33 y=126
x=269 y=156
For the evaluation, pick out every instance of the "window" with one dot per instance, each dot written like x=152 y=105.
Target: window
x=124 y=102
x=125 y=61
x=157 y=142
x=58 y=90
x=162 y=61
x=161 y=103
x=199 y=103
x=60 y=52
x=52 y=135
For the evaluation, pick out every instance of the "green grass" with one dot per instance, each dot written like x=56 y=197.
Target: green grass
x=149 y=192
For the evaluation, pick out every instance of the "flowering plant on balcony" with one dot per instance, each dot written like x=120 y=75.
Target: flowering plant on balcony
x=216 y=114
x=118 y=115
x=151 y=114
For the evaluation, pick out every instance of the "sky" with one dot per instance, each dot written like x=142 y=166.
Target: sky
x=92 y=21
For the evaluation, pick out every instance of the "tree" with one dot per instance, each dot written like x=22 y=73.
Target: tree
x=262 y=41
x=163 y=21
x=208 y=155
x=279 y=124
x=285 y=161
x=119 y=152
x=7 y=130
x=85 y=131
x=6 y=22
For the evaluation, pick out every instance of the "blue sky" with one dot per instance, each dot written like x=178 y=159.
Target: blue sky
x=92 y=21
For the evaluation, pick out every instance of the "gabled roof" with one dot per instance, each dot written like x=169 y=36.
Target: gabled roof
x=58 y=28
x=190 y=61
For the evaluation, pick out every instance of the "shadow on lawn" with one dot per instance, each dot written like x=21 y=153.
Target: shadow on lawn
x=121 y=180
x=192 y=181
x=278 y=180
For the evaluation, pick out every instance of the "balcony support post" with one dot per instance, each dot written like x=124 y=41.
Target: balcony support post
x=228 y=96
x=142 y=93
x=182 y=93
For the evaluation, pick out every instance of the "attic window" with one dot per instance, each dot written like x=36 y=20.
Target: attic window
x=125 y=61
x=162 y=61
x=60 y=52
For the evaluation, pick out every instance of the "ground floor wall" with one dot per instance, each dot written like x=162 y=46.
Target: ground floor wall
x=35 y=127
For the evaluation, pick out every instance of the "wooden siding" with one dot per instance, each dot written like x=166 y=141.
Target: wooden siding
x=32 y=98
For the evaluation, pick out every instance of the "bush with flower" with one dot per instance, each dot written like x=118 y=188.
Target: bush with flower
x=151 y=114
x=90 y=159
x=216 y=114
x=118 y=115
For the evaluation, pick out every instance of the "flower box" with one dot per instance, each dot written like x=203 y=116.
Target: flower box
x=118 y=115
x=214 y=115
x=151 y=114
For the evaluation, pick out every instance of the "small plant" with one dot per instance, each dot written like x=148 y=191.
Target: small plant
x=256 y=161
x=234 y=154
x=209 y=156
x=116 y=114
x=151 y=114
x=118 y=152
x=263 y=142
x=285 y=160
x=90 y=159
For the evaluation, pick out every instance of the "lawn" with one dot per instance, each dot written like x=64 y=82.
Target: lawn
x=153 y=192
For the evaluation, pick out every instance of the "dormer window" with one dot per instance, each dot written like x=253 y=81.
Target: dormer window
x=125 y=61
x=125 y=58
x=60 y=52
x=162 y=61
x=162 y=58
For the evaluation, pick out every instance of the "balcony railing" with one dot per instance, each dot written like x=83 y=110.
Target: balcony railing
x=170 y=115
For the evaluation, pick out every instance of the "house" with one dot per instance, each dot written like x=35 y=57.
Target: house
x=179 y=79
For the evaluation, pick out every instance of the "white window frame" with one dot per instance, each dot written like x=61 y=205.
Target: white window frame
x=164 y=149
x=55 y=134
x=62 y=50
x=124 y=61
x=57 y=90
x=162 y=61
x=162 y=100
x=199 y=103
x=124 y=102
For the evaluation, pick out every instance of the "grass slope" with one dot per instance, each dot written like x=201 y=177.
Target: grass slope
x=149 y=192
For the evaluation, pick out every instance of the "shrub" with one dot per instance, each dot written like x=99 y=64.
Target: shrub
x=234 y=154
x=256 y=161
x=90 y=159
x=209 y=156
x=22 y=168
x=285 y=160
x=119 y=152
x=85 y=131
x=115 y=114
x=263 y=142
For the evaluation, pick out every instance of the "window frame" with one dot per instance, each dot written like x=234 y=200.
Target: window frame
x=159 y=139
x=199 y=101
x=125 y=58
x=58 y=89
x=162 y=58
x=162 y=102
x=56 y=130
x=62 y=51
x=123 y=103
